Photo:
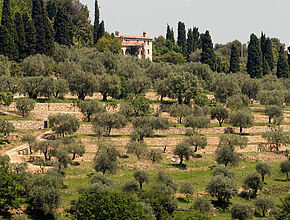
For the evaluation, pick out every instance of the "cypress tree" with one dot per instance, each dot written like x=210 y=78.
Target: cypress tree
x=196 y=39
x=268 y=54
x=7 y=46
x=189 y=43
x=51 y=9
x=30 y=34
x=181 y=38
x=21 y=40
x=8 y=22
x=170 y=34
x=282 y=64
x=254 y=63
x=265 y=66
x=235 y=59
x=63 y=27
x=101 y=30
x=96 y=22
x=207 y=55
x=45 y=43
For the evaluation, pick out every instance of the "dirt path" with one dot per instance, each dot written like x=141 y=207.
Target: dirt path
x=17 y=158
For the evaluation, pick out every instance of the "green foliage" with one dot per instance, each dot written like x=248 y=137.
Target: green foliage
x=263 y=169
x=241 y=211
x=82 y=84
x=6 y=127
x=223 y=188
x=223 y=171
x=137 y=148
x=180 y=111
x=284 y=209
x=183 y=151
x=75 y=148
x=96 y=22
x=198 y=141
x=30 y=34
x=253 y=183
x=63 y=27
x=4 y=65
x=25 y=106
x=109 y=43
x=136 y=106
x=285 y=167
x=242 y=119
x=196 y=122
x=100 y=179
x=237 y=102
x=107 y=205
x=166 y=183
x=254 y=63
x=273 y=111
x=202 y=205
x=170 y=34
x=187 y=189
x=282 y=65
x=277 y=137
x=106 y=158
x=6 y=98
x=264 y=204
x=155 y=155
x=138 y=84
x=30 y=139
x=220 y=113
x=141 y=176
x=90 y=107
x=109 y=86
x=131 y=186
x=181 y=38
x=7 y=45
x=21 y=39
x=63 y=124
x=208 y=56
x=235 y=59
x=108 y=120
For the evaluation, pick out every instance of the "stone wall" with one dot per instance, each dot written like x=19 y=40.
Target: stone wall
x=28 y=124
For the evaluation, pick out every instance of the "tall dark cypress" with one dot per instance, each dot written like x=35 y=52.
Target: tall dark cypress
x=51 y=9
x=21 y=40
x=268 y=53
x=254 y=63
x=189 y=43
x=181 y=38
x=170 y=34
x=63 y=27
x=30 y=34
x=235 y=59
x=196 y=39
x=282 y=64
x=96 y=22
x=7 y=45
x=207 y=55
x=101 y=30
x=45 y=41
x=8 y=22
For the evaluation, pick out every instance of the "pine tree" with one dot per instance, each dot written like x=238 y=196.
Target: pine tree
x=7 y=46
x=235 y=59
x=63 y=27
x=96 y=22
x=21 y=40
x=196 y=39
x=207 y=55
x=170 y=34
x=181 y=38
x=282 y=64
x=189 y=43
x=8 y=22
x=254 y=63
x=30 y=34
x=268 y=53
x=101 y=30
x=51 y=9
x=45 y=43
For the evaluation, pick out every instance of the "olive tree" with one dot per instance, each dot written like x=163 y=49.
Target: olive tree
x=180 y=111
x=237 y=102
x=273 y=111
x=285 y=167
x=220 y=113
x=277 y=137
x=187 y=189
x=241 y=211
x=25 y=106
x=139 y=83
x=109 y=85
x=63 y=124
x=141 y=176
x=202 y=205
x=6 y=127
x=90 y=107
x=155 y=155
x=30 y=139
x=183 y=151
x=198 y=141
x=137 y=148
x=242 y=119
x=196 y=122
x=264 y=204
x=263 y=169
x=224 y=171
x=253 y=183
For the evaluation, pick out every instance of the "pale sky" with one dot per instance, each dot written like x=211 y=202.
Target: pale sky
x=226 y=20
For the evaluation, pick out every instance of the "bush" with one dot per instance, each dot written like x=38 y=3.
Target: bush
x=241 y=211
x=264 y=205
x=202 y=205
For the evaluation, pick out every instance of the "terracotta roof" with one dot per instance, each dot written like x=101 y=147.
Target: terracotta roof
x=132 y=44
x=135 y=37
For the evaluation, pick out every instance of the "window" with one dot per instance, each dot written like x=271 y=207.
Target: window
x=148 y=51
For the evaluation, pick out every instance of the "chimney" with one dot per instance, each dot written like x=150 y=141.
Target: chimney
x=144 y=34
x=117 y=33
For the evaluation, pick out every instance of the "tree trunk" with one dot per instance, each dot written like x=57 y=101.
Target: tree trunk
x=180 y=119
x=74 y=156
x=263 y=177
x=226 y=163
x=195 y=149
x=105 y=97
x=161 y=98
x=221 y=123
x=179 y=100
x=141 y=185
x=241 y=130
x=30 y=149
x=45 y=156
x=270 y=120
x=181 y=160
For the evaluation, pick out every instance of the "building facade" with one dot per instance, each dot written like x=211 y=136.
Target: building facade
x=140 y=46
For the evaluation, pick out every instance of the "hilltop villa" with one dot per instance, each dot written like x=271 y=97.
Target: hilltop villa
x=140 y=46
